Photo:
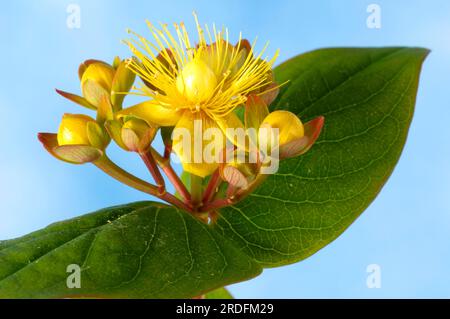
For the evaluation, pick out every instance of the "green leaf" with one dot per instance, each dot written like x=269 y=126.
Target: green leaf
x=221 y=293
x=367 y=97
x=140 y=250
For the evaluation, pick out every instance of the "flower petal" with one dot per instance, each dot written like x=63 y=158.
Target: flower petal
x=85 y=64
x=231 y=126
x=255 y=111
x=270 y=93
x=190 y=143
x=153 y=113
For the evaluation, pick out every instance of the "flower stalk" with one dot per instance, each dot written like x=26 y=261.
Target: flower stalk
x=164 y=164
x=150 y=162
x=196 y=190
x=212 y=187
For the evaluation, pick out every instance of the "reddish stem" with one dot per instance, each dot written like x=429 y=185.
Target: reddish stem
x=172 y=176
x=176 y=182
x=216 y=204
x=211 y=189
x=176 y=202
x=150 y=162
x=231 y=190
x=167 y=151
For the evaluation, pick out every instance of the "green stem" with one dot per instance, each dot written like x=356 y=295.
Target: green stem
x=107 y=166
x=196 y=190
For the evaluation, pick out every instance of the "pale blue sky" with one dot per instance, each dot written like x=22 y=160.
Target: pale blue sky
x=406 y=230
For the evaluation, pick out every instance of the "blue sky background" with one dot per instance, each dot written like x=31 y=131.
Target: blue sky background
x=406 y=230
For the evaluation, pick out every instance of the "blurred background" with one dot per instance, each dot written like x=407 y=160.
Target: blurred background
x=406 y=230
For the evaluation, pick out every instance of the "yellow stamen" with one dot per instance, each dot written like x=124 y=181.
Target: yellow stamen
x=214 y=77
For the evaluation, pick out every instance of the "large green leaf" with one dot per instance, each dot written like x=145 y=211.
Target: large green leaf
x=138 y=250
x=367 y=96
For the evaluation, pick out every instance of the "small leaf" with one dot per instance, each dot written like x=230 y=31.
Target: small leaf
x=76 y=99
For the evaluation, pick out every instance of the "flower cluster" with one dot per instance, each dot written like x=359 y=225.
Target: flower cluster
x=210 y=90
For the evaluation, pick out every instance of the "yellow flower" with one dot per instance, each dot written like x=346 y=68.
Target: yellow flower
x=206 y=81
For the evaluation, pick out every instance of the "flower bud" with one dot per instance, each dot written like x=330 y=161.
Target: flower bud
x=289 y=128
x=102 y=83
x=73 y=129
x=137 y=134
x=131 y=133
x=80 y=139
x=138 y=126
x=96 y=82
